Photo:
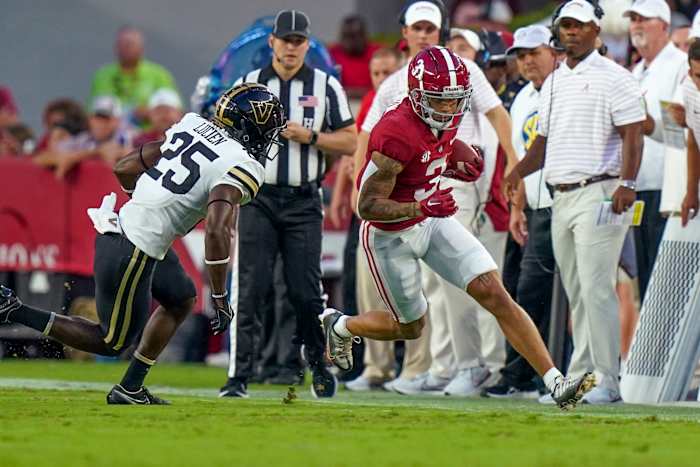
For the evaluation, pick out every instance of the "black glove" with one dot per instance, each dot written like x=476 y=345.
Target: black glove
x=223 y=313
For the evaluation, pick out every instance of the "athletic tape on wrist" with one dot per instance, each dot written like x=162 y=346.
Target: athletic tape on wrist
x=217 y=261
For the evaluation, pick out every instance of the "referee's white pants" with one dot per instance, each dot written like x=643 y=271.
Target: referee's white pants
x=464 y=335
x=587 y=256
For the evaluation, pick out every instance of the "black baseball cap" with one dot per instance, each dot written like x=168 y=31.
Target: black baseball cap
x=291 y=22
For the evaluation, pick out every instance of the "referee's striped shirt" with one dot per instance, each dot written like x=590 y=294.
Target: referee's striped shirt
x=314 y=99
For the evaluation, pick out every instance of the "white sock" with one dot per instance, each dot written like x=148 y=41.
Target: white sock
x=340 y=327
x=550 y=378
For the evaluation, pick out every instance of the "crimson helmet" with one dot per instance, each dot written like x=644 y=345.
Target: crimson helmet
x=436 y=73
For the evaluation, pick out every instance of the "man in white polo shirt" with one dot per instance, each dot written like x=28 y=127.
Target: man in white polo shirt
x=691 y=102
x=591 y=115
x=531 y=214
x=660 y=72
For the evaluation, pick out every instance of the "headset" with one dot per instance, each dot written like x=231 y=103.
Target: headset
x=444 y=27
x=555 y=41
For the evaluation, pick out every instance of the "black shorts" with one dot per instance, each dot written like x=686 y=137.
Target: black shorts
x=125 y=280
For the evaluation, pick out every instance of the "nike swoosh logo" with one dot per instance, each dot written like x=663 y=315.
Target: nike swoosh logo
x=132 y=400
x=433 y=203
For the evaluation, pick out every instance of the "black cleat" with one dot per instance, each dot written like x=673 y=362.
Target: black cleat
x=120 y=396
x=569 y=391
x=323 y=382
x=8 y=303
x=234 y=388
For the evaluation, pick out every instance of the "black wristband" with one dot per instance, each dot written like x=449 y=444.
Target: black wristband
x=314 y=138
x=222 y=201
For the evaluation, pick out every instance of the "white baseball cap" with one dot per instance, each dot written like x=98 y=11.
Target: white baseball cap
x=423 y=11
x=695 y=28
x=468 y=35
x=530 y=37
x=650 y=9
x=106 y=106
x=580 y=10
x=165 y=96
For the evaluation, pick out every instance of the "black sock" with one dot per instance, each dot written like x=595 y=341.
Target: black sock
x=136 y=373
x=32 y=317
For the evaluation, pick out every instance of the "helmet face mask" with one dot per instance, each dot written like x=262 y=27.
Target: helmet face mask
x=424 y=104
x=253 y=116
x=438 y=88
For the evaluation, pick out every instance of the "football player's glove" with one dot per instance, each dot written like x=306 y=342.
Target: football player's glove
x=439 y=204
x=223 y=313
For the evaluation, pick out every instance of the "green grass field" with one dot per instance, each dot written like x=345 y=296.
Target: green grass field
x=54 y=414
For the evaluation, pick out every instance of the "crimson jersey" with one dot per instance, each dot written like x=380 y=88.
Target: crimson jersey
x=404 y=137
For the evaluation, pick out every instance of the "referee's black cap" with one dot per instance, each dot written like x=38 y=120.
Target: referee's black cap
x=291 y=22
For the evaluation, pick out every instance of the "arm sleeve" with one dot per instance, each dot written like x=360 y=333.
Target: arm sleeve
x=339 y=114
x=626 y=100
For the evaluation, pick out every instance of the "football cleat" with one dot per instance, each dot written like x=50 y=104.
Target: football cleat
x=323 y=383
x=120 y=396
x=338 y=349
x=234 y=388
x=8 y=303
x=569 y=391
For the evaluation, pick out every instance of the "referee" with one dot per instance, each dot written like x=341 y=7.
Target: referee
x=590 y=122
x=286 y=217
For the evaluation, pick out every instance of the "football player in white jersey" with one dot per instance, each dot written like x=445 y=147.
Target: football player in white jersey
x=203 y=169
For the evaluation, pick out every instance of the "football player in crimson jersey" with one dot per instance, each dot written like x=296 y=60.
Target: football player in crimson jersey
x=406 y=218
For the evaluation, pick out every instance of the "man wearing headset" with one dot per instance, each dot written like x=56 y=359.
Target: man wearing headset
x=591 y=115
x=530 y=214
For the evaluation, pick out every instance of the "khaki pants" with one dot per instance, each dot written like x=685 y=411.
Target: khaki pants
x=379 y=356
x=587 y=256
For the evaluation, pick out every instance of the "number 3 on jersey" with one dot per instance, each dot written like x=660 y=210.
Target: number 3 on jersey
x=434 y=170
x=176 y=150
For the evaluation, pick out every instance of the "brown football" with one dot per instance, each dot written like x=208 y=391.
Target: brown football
x=465 y=163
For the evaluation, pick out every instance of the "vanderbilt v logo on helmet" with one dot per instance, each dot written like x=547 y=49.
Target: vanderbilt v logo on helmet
x=252 y=115
x=262 y=111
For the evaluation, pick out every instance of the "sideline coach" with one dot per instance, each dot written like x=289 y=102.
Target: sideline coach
x=591 y=115
x=286 y=216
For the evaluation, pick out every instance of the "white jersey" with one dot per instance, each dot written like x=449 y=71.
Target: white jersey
x=171 y=198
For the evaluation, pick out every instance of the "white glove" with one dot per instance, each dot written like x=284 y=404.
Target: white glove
x=104 y=218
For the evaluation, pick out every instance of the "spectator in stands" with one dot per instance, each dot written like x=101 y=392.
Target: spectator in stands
x=353 y=54
x=8 y=109
x=133 y=79
x=465 y=43
x=660 y=72
x=164 y=110
x=16 y=140
x=62 y=118
x=106 y=139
